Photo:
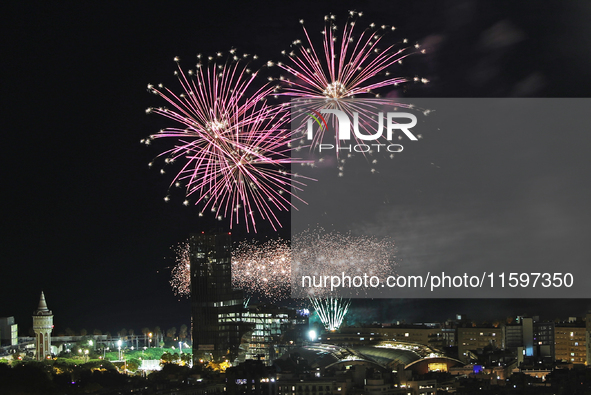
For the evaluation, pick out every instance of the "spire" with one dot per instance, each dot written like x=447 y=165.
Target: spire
x=42 y=303
x=42 y=309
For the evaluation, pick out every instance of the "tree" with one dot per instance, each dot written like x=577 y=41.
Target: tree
x=130 y=333
x=186 y=358
x=218 y=366
x=70 y=332
x=183 y=332
x=133 y=364
x=145 y=331
x=123 y=332
x=83 y=332
x=157 y=334
x=97 y=332
x=171 y=332
x=166 y=358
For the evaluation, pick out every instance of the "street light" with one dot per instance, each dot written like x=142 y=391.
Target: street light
x=119 y=346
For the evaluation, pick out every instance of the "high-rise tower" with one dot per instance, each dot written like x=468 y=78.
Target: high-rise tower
x=42 y=325
x=216 y=308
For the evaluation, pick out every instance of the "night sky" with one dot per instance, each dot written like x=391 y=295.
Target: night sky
x=84 y=217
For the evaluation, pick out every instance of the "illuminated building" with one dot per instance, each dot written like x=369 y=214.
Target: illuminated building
x=252 y=378
x=531 y=338
x=588 y=337
x=544 y=341
x=216 y=308
x=423 y=387
x=420 y=334
x=266 y=325
x=473 y=338
x=307 y=387
x=42 y=325
x=8 y=331
x=571 y=344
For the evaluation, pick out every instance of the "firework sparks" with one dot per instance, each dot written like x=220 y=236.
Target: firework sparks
x=347 y=66
x=181 y=272
x=331 y=311
x=234 y=148
x=266 y=268
x=319 y=253
x=263 y=269
x=269 y=268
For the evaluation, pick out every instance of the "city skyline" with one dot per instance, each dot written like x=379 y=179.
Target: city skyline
x=85 y=217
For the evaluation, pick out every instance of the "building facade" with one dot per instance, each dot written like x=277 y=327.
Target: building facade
x=420 y=334
x=267 y=326
x=474 y=338
x=42 y=326
x=530 y=337
x=8 y=331
x=571 y=344
x=544 y=342
x=588 y=337
x=216 y=309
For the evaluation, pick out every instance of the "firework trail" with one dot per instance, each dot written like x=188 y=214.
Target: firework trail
x=181 y=272
x=234 y=148
x=331 y=311
x=319 y=253
x=263 y=268
x=346 y=66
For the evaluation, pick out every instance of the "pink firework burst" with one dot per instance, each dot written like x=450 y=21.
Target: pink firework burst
x=347 y=66
x=234 y=148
